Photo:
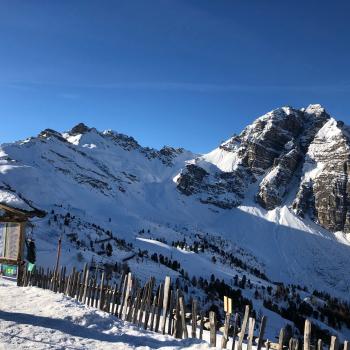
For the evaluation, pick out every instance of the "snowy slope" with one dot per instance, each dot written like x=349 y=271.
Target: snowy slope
x=39 y=319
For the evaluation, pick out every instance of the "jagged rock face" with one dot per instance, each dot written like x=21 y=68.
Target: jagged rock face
x=275 y=184
x=325 y=189
x=269 y=151
x=220 y=189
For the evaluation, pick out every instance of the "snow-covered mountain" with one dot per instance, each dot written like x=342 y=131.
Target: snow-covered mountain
x=271 y=203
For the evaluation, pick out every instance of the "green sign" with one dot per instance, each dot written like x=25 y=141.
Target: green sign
x=9 y=270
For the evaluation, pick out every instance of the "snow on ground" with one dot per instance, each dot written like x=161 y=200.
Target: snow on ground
x=32 y=318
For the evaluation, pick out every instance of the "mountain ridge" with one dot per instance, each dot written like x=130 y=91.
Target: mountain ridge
x=97 y=186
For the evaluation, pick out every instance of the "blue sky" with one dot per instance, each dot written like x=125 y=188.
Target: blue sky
x=180 y=72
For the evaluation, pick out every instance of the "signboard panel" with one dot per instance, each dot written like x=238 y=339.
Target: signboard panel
x=10 y=239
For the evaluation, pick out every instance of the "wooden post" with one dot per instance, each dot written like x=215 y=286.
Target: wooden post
x=307 y=334
x=201 y=326
x=82 y=289
x=183 y=318
x=235 y=325
x=281 y=339
x=177 y=325
x=261 y=333
x=148 y=302
x=334 y=343
x=136 y=305
x=243 y=328
x=212 y=321
x=159 y=307
x=128 y=290
x=165 y=303
x=194 y=318
x=120 y=313
x=319 y=345
x=250 y=333
x=296 y=344
x=101 y=290
x=153 y=312
x=224 y=338
x=85 y=283
x=346 y=345
x=78 y=286
x=171 y=312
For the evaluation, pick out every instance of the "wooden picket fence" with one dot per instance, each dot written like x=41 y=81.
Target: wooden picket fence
x=162 y=309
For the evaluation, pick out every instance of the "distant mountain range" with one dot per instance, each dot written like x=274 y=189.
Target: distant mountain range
x=276 y=197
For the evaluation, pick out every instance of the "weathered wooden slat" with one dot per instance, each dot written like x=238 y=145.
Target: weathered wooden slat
x=281 y=339
x=78 y=286
x=235 y=326
x=143 y=302
x=201 y=327
x=101 y=290
x=125 y=283
x=128 y=289
x=86 y=286
x=212 y=322
x=159 y=306
x=165 y=303
x=137 y=303
x=243 y=328
x=251 y=333
x=177 y=323
x=171 y=312
x=224 y=338
x=148 y=302
x=194 y=318
x=114 y=299
x=153 y=312
x=334 y=343
x=307 y=335
x=183 y=317
x=83 y=280
x=261 y=333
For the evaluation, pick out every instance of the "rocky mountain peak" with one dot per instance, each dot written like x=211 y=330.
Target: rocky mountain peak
x=80 y=128
x=268 y=153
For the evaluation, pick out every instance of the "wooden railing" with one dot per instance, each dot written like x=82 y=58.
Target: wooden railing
x=162 y=309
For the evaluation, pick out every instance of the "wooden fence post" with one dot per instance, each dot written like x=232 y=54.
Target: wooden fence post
x=194 y=318
x=250 y=333
x=101 y=290
x=346 y=345
x=171 y=312
x=281 y=339
x=224 y=338
x=165 y=303
x=212 y=322
x=307 y=334
x=243 y=328
x=235 y=325
x=261 y=333
x=183 y=318
x=177 y=325
x=334 y=343
x=319 y=344
x=201 y=326
x=159 y=306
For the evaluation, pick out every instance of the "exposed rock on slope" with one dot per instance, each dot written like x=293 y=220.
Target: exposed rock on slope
x=270 y=151
x=324 y=189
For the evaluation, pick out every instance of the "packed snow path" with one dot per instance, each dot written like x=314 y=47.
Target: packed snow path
x=32 y=318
